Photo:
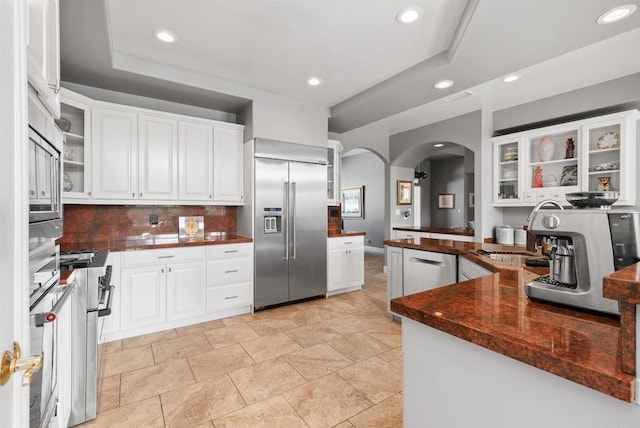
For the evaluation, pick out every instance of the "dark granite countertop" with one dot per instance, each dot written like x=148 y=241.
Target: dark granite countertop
x=450 y=231
x=597 y=351
x=344 y=234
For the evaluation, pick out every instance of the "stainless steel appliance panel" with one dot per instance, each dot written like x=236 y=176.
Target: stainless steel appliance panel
x=307 y=230
x=271 y=249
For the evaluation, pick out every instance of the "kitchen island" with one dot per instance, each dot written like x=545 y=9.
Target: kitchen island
x=519 y=363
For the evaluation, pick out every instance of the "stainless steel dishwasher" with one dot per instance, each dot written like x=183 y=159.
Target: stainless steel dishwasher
x=425 y=270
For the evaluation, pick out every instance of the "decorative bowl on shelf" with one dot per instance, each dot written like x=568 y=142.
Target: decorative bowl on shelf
x=67 y=184
x=606 y=166
x=510 y=174
x=608 y=140
x=511 y=155
x=550 y=181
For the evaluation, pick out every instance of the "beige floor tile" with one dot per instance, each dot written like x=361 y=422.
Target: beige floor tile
x=358 y=346
x=209 y=424
x=270 y=326
x=226 y=336
x=108 y=393
x=198 y=328
x=317 y=361
x=312 y=334
x=116 y=345
x=266 y=379
x=351 y=323
x=148 y=339
x=155 y=380
x=359 y=300
x=240 y=319
x=272 y=413
x=345 y=424
x=393 y=357
x=389 y=334
x=146 y=413
x=335 y=306
x=180 y=347
x=387 y=414
x=217 y=362
x=196 y=404
x=376 y=379
x=272 y=346
x=326 y=401
x=281 y=312
x=123 y=361
x=312 y=316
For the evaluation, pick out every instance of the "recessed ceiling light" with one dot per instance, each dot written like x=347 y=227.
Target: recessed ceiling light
x=438 y=145
x=409 y=15
x=443 y=84
x=165 y=36
x=616 y=14
x=314 y=81
x=511 y=78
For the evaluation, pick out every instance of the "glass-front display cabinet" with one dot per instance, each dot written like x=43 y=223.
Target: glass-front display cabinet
x=75 y=125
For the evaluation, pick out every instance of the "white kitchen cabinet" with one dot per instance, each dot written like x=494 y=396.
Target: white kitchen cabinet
x=157 y=158
x=470 y=270
x=185 y=290
x=334 y=165
x=345 y=264
x=229 y=277
x=76 y=110
x=64 y=331
x=43 y=51
x=425 y=270
x=161 y=285
x=228 y=164
x=394 y=274
x=592 y=154
x=114 y=160
x=195 y=161
x=410 y=234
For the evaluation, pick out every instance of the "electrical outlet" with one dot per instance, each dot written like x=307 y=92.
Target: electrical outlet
x=153 y=219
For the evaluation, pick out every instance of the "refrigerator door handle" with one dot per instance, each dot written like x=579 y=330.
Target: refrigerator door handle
x=293 y=216
x=286 y=220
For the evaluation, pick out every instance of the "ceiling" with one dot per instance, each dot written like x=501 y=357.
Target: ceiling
x=371 y=66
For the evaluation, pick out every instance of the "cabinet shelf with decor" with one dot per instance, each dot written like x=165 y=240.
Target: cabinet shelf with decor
x=594 y=154
x=75 y=125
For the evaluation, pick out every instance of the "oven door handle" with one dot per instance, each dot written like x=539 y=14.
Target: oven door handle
x=50 y=316
x=107 y=311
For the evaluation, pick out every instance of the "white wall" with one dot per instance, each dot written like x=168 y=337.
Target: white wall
x=395 y=217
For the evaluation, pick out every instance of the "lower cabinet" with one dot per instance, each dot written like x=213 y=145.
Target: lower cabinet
x=470 y=270
x=166 y=288
x=345 y=264
x=394 y=274
x=64 y=333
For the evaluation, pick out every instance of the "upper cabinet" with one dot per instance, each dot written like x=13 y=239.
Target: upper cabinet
x=75 y=123
x=126 y=154
x=334 y=164
x=593 y=154
x=43 y=51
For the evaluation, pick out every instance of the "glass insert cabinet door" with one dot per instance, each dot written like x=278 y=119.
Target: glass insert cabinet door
x=507 y=171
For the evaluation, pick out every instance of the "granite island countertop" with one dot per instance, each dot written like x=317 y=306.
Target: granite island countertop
x=494 y=312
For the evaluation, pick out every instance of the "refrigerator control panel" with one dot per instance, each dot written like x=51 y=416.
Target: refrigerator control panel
x=272 y=224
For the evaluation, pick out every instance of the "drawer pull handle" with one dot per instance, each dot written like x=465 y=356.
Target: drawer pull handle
x=230 y=297
x=231 y=251
x=231 y=271
x=165 y=257
x=347 y=243
x=425 y=261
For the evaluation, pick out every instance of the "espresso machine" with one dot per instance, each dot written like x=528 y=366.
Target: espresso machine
x=586 y=245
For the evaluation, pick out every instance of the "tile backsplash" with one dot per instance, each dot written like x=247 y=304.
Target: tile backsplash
x=89 y=223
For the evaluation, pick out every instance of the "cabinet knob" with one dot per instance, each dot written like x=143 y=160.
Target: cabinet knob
x=162 y=270
x=88 y=193
x=210 y=197
x=140 y=194
x=133 y=195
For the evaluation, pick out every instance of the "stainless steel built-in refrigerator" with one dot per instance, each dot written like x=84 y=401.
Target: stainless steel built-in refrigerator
x=290 y=208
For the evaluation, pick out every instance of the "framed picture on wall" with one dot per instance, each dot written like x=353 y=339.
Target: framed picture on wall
x=446 y=200
x=405 y=192
x=352 y=200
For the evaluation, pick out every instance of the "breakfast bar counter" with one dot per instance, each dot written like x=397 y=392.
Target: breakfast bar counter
x=492 y=315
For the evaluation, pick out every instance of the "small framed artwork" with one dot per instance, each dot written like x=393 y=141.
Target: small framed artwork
x=353 y=202
x=405 y=192
x=446 y=200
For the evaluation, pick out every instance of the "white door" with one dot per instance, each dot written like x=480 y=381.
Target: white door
x=228 y=165
x=158 y=158
x=114 y=154
x=354 y=274
x=336 y=267
x=14 y=399
x=144 y=298
x=195 y=161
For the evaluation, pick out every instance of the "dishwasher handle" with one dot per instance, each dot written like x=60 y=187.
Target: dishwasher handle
x=426 y=261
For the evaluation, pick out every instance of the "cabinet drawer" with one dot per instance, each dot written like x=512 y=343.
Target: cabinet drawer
x=229 y=296
x=231 y=271
x=162 y=256
x=225 y=251
x=345 y=242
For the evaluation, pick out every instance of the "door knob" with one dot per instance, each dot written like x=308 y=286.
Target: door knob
x=12 y=363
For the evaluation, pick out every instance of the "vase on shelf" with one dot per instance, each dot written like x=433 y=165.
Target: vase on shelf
x=546 y=149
